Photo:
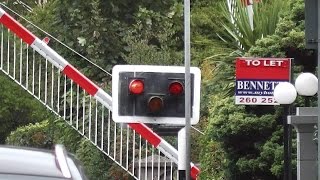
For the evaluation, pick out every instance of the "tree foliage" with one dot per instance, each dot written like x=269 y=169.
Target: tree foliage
x=240 y=142
x=17 y=108
x=95 y=163
x=32 y=135
x=155 y=38
x=245 y=142
x=237 y=31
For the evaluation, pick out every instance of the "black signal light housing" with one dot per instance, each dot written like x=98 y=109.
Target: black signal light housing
x=154 y=94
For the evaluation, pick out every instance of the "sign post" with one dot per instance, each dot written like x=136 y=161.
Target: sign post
x=256 y=79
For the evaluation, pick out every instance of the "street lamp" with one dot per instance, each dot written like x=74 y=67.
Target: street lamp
x=306 y=85
x=285 y=93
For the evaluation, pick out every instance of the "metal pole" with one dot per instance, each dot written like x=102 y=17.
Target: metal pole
x=187 y=83
x=285 y=144
x=289 y=147
x=287 y=112
x=318 y=57
x=182 y=154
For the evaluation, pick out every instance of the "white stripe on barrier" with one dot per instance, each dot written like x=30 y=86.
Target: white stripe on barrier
x=104 y=98
x=2 y=12
x=168 y=148
x=169 y=155
x=46 y=56
x=49 y=53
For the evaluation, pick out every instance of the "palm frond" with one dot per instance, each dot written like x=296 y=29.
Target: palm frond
x=235 y=28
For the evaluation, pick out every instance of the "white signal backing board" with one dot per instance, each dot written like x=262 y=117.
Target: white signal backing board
x=155 y=120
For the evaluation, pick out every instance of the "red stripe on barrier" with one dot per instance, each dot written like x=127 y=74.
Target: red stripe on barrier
x=80 y=79
x=146 y=133
x=17 y=28
x=194 y=172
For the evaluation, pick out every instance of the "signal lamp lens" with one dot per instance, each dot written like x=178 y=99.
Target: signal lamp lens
x=176 y=88
x=136 y=86
x=155 y=104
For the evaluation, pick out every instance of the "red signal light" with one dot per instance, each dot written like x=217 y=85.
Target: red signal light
x=176 y=88
x=155 y=104
x=136 y=86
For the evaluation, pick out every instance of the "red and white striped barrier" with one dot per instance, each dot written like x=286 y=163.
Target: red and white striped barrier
x=42 y=48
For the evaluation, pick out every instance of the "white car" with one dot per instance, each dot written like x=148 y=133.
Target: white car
x=17 y=163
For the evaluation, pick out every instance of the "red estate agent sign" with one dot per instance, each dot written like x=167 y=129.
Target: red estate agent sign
x=256 y=79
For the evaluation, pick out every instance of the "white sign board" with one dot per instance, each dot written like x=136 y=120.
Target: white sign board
x=256 y=79
x=132 y=108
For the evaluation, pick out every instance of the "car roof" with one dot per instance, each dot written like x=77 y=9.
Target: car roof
x=35 y=162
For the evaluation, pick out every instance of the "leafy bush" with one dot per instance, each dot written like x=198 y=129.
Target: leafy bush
x=32 y=135
x=95 y=163
x=18 y=108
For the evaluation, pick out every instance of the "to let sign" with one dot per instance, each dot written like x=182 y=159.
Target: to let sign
x=256 y=79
